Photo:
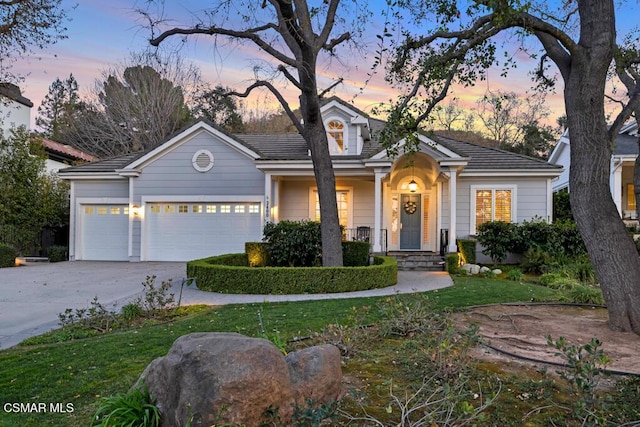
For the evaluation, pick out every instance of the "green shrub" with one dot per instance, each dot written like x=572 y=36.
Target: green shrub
x=453 y=261
x=561 y=206
x=537 y=261
x=294 y=243
x=499 y=238
x=468 y=249
x=514 y=274
x=355 y=254
x=135 y=408
x=585 y=294
x=222 y=274
x=57 y=253
x=7 y=255
x=257 y=254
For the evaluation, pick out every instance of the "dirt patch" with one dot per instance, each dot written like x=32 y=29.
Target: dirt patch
x=522 y=329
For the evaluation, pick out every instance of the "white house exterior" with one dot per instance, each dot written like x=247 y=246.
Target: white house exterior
x=621 y=173
x=204 y=192
x=15 y=109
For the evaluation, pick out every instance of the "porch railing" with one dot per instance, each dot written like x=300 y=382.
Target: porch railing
x=365 y=234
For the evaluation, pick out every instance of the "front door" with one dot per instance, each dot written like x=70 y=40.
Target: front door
x=410 y=221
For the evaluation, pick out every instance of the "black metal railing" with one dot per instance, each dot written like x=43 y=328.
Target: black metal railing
x=365 y=234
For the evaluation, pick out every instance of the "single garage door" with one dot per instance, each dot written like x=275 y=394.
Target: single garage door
x=187 y=231
x=105 y=231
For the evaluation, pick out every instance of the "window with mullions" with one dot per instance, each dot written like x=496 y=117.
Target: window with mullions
x=491 y=204
x=336 y=137
x=342 y=198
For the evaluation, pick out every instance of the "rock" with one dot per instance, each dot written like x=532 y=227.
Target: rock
x=496 y=271
x=315 y=374
x=227 y=378
x=484 y=269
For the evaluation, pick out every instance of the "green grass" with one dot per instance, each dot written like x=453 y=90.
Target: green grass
x=82 y=371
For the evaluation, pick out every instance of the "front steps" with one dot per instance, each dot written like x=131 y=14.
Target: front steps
x=418 y=260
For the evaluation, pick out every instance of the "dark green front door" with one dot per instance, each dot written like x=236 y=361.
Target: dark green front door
x=410 y=221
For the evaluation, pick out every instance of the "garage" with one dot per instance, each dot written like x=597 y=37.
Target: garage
x=105 y=231
x=187 y=231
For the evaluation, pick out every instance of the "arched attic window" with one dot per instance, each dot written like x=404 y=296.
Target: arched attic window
x=336 y=134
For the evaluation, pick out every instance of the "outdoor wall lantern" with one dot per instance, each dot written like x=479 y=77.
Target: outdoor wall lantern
x=136 y=210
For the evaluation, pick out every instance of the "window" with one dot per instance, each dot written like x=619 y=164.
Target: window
x=88 y=210
x=239 y=209
x=168 y=209
x=183 y=209
x=196 y=209
x=155 y=208
x=211 y=208
x=336 y=137
x=631 y=198
x=254 y=209
x=225 y=209
x=343 y=198
x=102 y=210
x=114 y=210
x=125 y=210
x=491 y=204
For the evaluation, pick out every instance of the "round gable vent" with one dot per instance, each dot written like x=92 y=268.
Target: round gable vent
x=202 y=160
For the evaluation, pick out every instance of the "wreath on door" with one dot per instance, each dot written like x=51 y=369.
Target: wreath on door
x=410 y=207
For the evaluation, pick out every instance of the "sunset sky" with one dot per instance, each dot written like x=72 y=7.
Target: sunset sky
x=102 y=33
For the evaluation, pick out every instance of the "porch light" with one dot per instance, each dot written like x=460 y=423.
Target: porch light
x=135 y=209
x=413 y=186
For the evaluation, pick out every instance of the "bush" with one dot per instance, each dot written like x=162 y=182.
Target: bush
x=537 y=261
x=294 y=243
x=453 y=261
x=355 y=254
x=498 y=238
x=257 y=254
x=7 y=255
x=223 y=274
x=57 y=253
x=468 y=249
x=135 y=408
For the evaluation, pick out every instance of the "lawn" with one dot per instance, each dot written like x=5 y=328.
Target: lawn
x=78 y=373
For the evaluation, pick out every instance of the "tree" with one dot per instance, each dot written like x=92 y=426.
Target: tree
x=30 y=199
x=447 y=116
x=215 y=106
x=462 y=47
x=134 y=109
x=58 y=109
x=25 y=24
x=286 y=31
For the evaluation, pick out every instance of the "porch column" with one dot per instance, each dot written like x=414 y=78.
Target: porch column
x=615 y=183
x=377 y=210
x=453 y=195
x=268 y=197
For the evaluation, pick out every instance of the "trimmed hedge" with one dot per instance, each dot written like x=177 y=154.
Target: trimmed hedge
x=355 y=254
x=8 y=255
x=227 y=274
x=468 y=249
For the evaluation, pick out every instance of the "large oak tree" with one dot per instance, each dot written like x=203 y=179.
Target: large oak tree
x=294 y=34
x=579 y=39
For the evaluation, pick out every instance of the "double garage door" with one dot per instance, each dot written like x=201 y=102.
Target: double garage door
x=171 y=231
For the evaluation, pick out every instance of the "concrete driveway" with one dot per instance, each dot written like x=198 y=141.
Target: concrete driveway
x=31 y=297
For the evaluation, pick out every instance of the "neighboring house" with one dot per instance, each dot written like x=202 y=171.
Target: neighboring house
x=204 y=192
x=621 y=172
x=15 y=111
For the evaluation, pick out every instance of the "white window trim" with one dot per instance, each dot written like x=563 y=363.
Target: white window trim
x=345 y=135
x=312 y=203
x=493 y=188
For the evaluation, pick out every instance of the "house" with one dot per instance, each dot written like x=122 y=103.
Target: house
x=204 y=192
x=622 y=168
x=15 y=111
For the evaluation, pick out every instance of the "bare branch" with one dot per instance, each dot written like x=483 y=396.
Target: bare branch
x=283 y=102
x=290 y=76
x=627 y=111
x=336 y=83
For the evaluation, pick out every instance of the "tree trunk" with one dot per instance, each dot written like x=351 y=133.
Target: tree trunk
x=316 y=138
x=610 y=247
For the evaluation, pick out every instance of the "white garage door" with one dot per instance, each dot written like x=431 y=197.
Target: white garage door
x=187 y=231
x=105 y=231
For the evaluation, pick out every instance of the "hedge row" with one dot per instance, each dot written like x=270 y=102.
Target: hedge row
x=231 y=274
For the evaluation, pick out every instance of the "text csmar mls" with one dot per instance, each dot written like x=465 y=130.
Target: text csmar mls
x=37 y=407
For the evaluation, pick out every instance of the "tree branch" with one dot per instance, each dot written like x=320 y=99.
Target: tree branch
x=248 y=34
x=279 y=97
x=336 y=83
x=289 y=76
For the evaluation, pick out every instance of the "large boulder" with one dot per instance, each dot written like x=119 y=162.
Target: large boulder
x=218 y=378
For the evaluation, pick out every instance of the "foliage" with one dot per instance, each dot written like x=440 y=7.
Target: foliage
x=257 y=254
x=223 y=274
x=537 y=261
x=498 y=238
x=585 y=294
x=562 y=206
x=293 y=243
x=453 y=263
x=468 y=249
x=406 y=316
x=58 y=109
x=216 y=106
x=131 y=311
x=58 y=253
x=30 y=199
x=135 y=408
x=8 y=255
x=514 y=274
x=26 y=25
x=155 y=299
x=96 y=317
x=355 y=254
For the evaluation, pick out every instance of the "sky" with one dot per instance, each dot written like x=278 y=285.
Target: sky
x=102 y=34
